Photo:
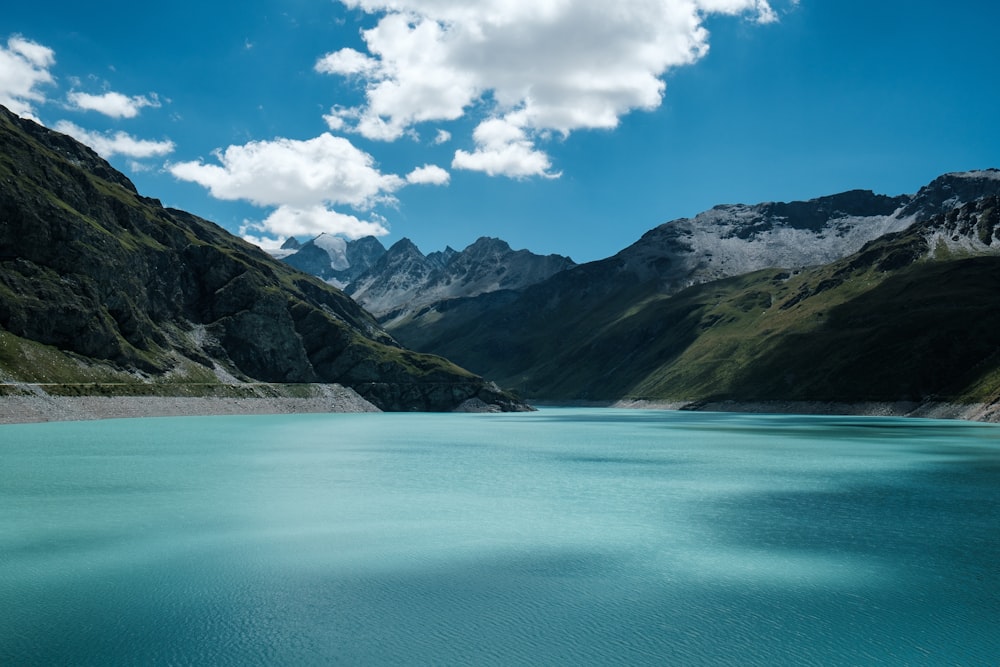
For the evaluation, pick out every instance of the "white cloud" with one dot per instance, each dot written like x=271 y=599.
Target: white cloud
x=288 y=172
x=119 y=143
x=765 y=13
x=24 y=67
x=410 y=76
x=503 y=149
x=443 y=137
x=310 y=221
x=346 y=61
x=112 y=104
x=537 y=65
x=429 y=174
x=305 y=181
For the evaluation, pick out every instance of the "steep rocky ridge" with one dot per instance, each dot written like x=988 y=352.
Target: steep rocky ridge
x=405 y=280
x=105 y=284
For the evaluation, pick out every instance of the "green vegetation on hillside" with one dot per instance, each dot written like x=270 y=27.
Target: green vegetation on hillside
x=104 y=290
x=895 y=321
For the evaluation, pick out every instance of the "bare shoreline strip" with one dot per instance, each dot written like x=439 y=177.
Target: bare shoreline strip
x=42 y=407
x=980 y=412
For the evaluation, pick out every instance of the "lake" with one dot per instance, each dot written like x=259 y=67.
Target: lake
x=562 y=537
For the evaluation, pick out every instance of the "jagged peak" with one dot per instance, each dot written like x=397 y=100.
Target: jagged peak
x=960 y=178
x=404 y=245
x=953 y=189
x=488 y=242
x=367 y=242
x=990 y=173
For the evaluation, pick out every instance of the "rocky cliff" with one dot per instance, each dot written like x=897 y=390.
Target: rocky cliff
x=112 y=280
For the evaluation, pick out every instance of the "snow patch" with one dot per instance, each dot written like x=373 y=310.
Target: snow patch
x=336 y=248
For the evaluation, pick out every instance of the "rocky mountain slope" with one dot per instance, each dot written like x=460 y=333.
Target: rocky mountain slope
x=99 y=284
x=767 y=302
x=726 y=241
x=393 y=284
x=404 y=279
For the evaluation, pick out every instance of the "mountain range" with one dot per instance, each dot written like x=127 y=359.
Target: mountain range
x=850 y=297
x=393 y=284
x=402 y=285
x=101 y=287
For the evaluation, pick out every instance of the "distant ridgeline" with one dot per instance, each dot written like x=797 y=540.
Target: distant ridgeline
x=106 y=291
x=847 y=298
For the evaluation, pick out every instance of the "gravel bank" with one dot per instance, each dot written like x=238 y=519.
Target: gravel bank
x=983 y=412
x=40 y=407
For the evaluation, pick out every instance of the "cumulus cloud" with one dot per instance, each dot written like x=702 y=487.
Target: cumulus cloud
x=503 y=148
x=118 y=143
x=289 y=221
x=306 y=181
x=24 y=68
x=538 y=65
x=115 y=105
x=289 y=172
x=429 y=174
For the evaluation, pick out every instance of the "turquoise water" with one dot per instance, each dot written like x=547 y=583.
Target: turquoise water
x=563 y=537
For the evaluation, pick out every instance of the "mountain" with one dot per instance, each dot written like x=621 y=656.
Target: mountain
x=405 y=280
x=333 y=258
x=850 y=297
x=102 y=286
x=289 y=247
x=393 y=284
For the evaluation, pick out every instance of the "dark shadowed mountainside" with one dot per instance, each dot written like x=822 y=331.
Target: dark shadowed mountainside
x=99 y=284
x=911 y=314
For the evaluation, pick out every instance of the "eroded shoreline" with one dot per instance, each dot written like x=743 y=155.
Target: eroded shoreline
x=42 y=407
x=980 y=412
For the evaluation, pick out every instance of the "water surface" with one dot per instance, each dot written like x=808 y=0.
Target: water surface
x=559 y=537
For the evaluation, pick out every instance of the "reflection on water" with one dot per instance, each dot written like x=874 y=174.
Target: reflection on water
x=558 y=537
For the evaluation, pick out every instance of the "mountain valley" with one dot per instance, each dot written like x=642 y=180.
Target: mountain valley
x=852 y=297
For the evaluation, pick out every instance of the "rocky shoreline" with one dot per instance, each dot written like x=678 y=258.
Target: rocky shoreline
x=981 y=412
x=42 y=407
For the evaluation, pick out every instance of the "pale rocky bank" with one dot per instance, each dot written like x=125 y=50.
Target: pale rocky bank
x=41 y=407
x=981 y=412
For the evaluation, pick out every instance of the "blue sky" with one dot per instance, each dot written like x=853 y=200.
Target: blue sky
x=562 y=126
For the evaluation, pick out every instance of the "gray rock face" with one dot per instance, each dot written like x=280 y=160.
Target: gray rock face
x=404 y=280
x=950 y=191
x=731 y=240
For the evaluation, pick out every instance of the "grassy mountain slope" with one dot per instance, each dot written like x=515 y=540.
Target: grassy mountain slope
x=100 y=284
x=899 y=320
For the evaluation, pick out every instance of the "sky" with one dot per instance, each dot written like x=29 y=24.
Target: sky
x=561 y=126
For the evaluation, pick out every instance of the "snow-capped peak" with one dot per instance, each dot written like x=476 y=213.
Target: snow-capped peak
x=336 y=248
